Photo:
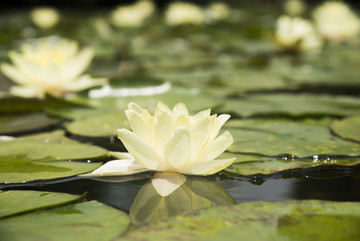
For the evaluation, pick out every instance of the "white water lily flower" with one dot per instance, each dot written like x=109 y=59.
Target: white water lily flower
x=133 y=15
x=294 y=7
x=45 y=17
x=179 y=13
x=170 y=141
x=50 y=65
x=217 y=11
x=336 y=22
x=297 y=34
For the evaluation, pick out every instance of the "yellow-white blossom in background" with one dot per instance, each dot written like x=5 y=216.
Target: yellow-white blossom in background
x=45 y=17
x=295 y=33
x=336 y=22
x=217 y=11
x=294 y=7
x=170 y=141
x=132 y=15
x=179 y=13
x=50 y=65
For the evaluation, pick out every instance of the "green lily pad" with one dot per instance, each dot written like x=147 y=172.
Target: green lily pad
x=292 y=105
x=255 y=165
x=12 y=105
x=348 y=128
x=17 y=202
x=20 y=169
x=11 y=124
x=103 y=124
x=285 y=221
x=56 y=136
x=35 y=150
x=84 y=221
x=195 y=99
x=274 y=137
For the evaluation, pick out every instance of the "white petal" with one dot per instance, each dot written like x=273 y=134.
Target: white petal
x=12 y=73
x=27 y=91
x=121 y=155
x=177 y=149
x=139 y=127
x=135 y=107
x=160 y=107
x=77 y=65
x=140 y=150
x=118 y=168
x=208 y=168
x=198 y=132
x=183 y=120
x=217 y=124
x=163 y=127
x=84 y=82
x=167 y=183
x=215 y=148
x=180 y=108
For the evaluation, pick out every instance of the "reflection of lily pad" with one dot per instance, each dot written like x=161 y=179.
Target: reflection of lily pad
x=55 y=151
x=292 y=105
x=84 y=221
x=20 y=169
x=268 y=165
x=10 y=124
x=348 y=128
x=290 y=220
x=16 y=202
x=277 y=137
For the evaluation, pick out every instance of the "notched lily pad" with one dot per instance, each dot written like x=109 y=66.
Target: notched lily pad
x=84 y=221
x=289 y=220
x=13 y=124
x=348 y=128
x=275 y=137
x=16 y=202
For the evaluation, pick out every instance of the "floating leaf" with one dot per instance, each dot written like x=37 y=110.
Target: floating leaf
x=16 y=202
x=84 y=221
x=272 y=137
x=35 y=150
x=289 y=220
x=254 y=165
x=348 y=128
x=20 y=169
x=292 y=105
x=12 y=105
x=102 y=124
x=12 y=124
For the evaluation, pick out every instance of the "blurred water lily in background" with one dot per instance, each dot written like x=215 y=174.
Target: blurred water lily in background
x=179 y=13
x=294 y=7
x=296 y=34
x=49 y=66
x=336 y=22
x=132 y=15
x=170 y=141
x=217 y=11
x=45 y=17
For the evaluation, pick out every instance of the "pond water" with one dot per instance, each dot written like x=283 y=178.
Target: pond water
x=338 y=184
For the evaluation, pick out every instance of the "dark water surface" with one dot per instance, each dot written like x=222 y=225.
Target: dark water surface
x=343 y=185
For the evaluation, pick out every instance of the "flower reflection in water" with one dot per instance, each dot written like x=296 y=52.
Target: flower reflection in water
x=170 y=194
